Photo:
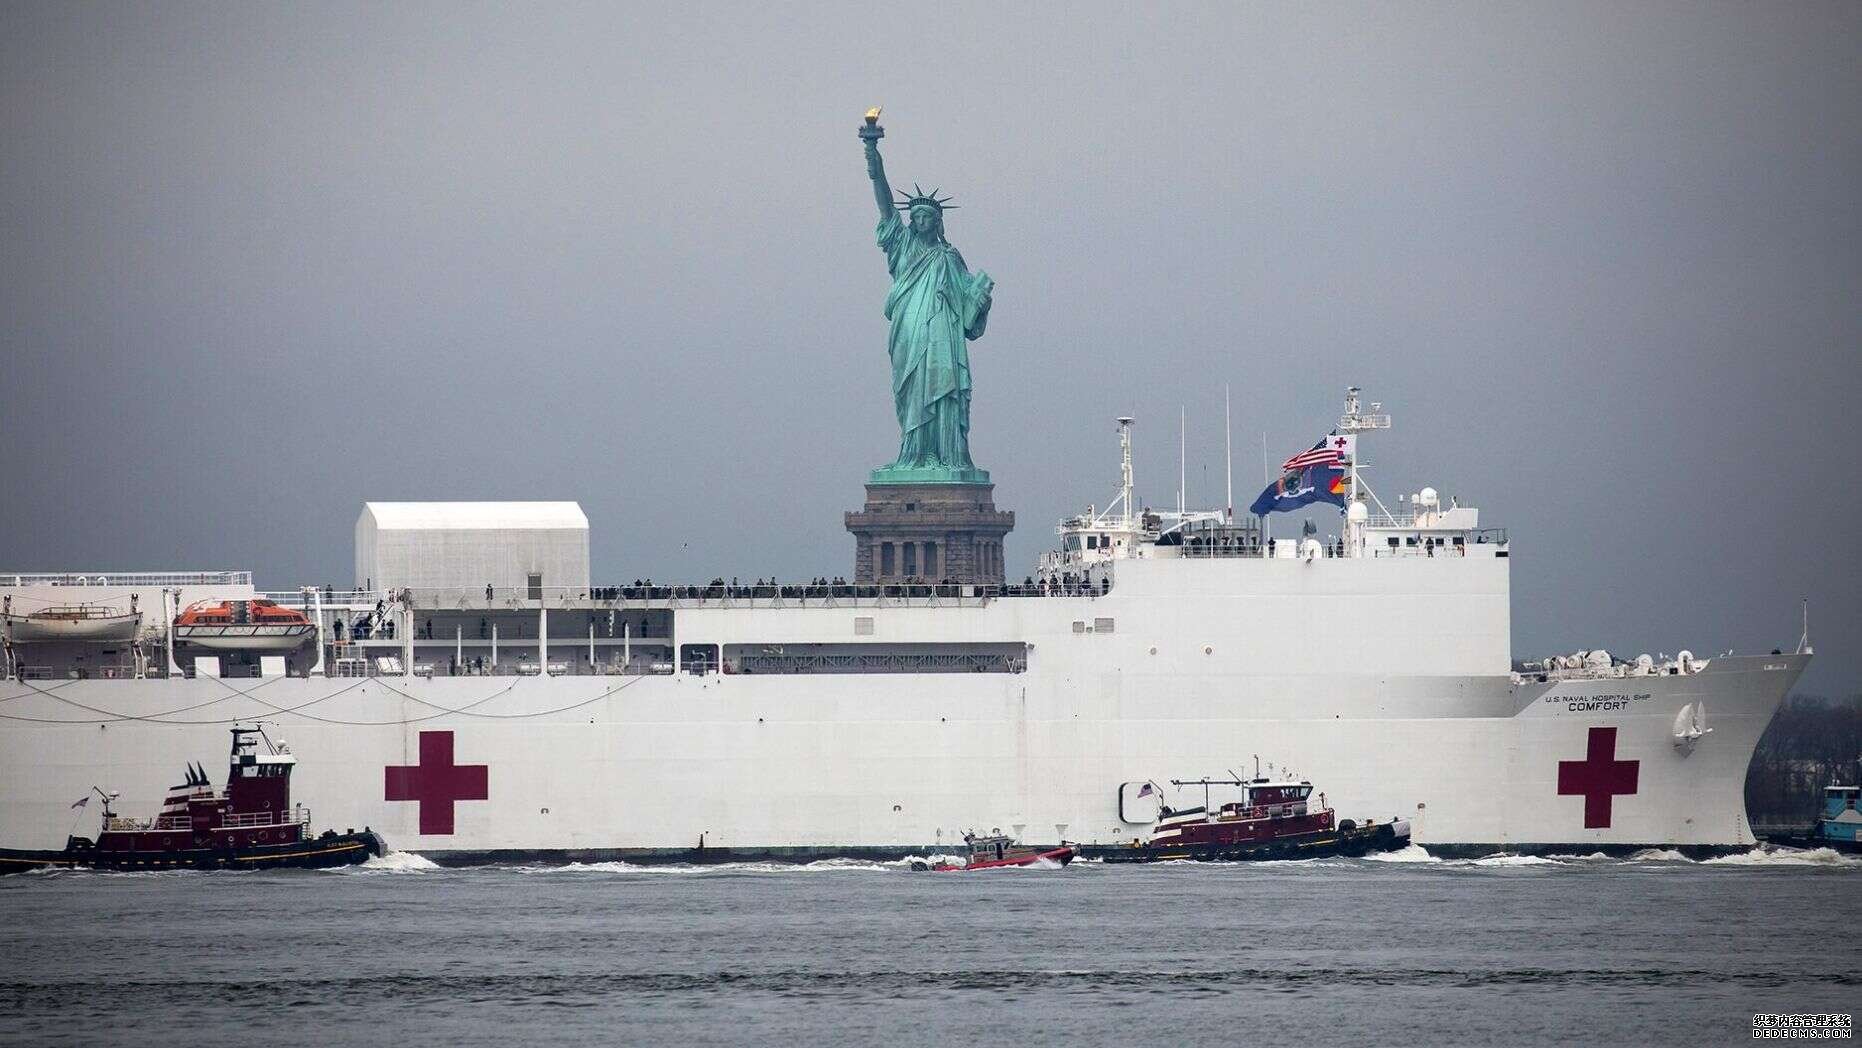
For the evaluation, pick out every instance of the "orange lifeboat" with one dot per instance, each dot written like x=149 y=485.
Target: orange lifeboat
x=243 y=625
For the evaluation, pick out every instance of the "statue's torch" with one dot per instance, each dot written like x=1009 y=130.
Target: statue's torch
x=870 y=131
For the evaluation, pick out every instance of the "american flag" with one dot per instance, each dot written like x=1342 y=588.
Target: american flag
x=1330 y=449
x=82 y=801
x=1145 y=790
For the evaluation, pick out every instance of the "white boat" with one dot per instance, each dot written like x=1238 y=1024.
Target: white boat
x=79 y=623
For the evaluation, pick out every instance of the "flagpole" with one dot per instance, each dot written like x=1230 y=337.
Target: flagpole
x=1267 y=477
x=1228 y=456
x=1182 y=455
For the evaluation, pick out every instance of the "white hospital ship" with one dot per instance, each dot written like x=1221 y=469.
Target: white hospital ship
x=476 y=697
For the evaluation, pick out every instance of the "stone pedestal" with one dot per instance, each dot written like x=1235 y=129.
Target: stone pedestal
x=929 y=532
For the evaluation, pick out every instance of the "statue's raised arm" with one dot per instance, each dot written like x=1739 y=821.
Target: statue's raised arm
x=871 y=133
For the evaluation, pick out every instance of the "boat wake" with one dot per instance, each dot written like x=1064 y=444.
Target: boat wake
x=1787 y=857
x=1408 y=853
x=723 y=868
x=393 y=862
x=1412 y=855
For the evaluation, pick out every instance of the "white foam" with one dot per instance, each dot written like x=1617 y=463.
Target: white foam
x=1410 y=853
x=1785 y=857
x=1659 y=855
x=399 y=862
x=1510 y=860
x=712 y=869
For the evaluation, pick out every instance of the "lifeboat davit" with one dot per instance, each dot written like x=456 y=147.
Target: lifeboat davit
x=79 y=622
x=243 y=625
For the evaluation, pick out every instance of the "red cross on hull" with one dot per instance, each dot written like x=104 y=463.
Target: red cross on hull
x=1598 y=777
x=436 y=782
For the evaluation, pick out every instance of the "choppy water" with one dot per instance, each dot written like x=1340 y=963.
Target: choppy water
x=1405 y=950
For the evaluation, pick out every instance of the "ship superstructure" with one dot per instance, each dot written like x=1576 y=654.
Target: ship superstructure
x=520 y=715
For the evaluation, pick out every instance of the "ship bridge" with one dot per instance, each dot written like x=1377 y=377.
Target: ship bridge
x=1093 y=543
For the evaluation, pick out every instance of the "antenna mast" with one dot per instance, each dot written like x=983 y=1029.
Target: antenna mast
x=1124 y=488
x=1354 y=421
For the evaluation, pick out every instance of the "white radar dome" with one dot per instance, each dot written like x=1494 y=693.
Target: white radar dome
x=1428 y=497
x=1358 y=513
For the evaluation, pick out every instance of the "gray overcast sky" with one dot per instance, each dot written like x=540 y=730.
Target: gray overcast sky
x=1601 y=262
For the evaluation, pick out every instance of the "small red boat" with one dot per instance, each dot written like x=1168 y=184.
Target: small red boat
x=250 y=825
x=990 y=852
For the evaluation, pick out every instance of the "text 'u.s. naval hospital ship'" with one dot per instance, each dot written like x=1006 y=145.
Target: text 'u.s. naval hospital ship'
x=476 y=695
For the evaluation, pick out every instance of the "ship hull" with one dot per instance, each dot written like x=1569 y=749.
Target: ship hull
x=802 y=766
x=1326 y=844
x=317 y=853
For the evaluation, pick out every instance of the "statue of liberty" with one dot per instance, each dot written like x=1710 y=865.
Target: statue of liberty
x=935 y=305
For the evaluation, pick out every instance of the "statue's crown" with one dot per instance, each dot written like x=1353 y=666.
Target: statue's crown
x=918 y=197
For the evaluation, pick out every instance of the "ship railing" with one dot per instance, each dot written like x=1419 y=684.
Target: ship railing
x=698 y=595
x=307 y=600
x=1618 y=671
x=108 y=672
x=258 y=819
x=1221 y=549
x=119 y=824
x=510 y=667
x=723 y=596
x=126 y=578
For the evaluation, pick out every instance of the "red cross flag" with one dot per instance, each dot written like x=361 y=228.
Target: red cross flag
x=1346 y=444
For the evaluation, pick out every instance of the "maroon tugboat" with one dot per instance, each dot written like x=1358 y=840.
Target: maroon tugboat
x=1274 y=819
x=250 y=825
x=996 y=851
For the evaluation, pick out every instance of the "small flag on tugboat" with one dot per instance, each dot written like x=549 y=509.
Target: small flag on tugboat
x=1143 y=791
x=83 y=801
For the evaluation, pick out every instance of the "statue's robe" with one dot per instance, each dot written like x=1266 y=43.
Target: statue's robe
x=934 y=306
